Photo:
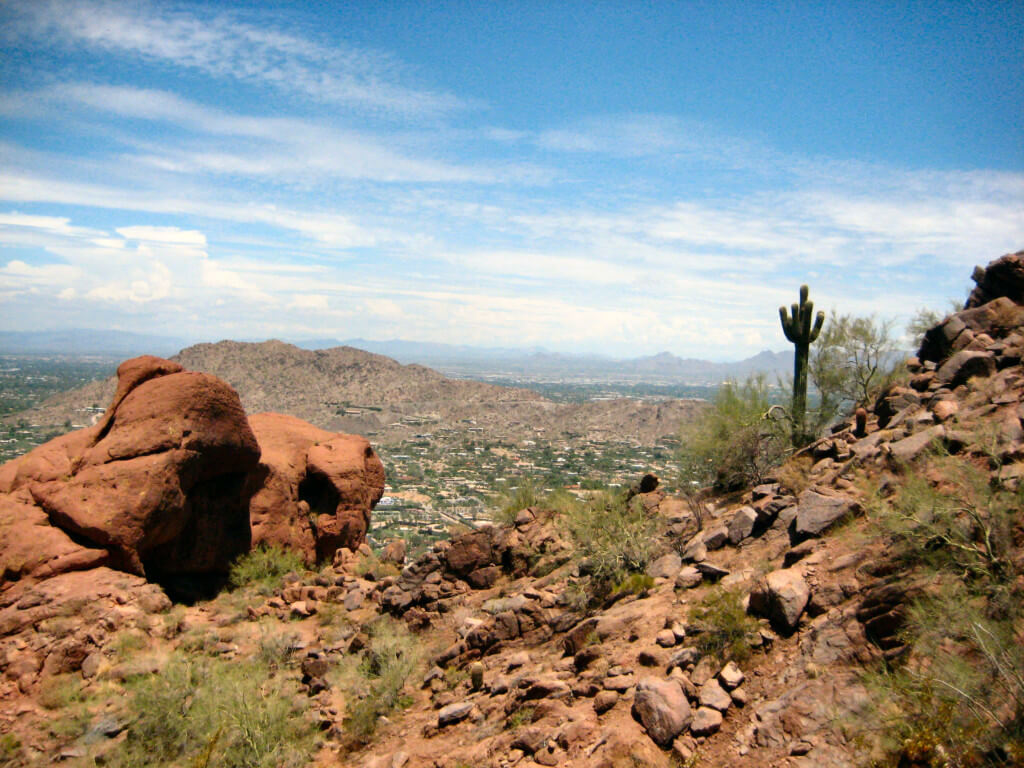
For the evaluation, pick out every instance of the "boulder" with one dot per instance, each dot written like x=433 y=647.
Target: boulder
x=964 y=365
x=781 y=597
x=706 y=721
x=742 y=524
x=663 y=709
x=156 y=488
x=817 y=511
x=666 y=566
x=1002 y=277
x=314 y=490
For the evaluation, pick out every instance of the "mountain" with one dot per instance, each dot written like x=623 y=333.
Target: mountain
x=350 y=390
x=85 y=341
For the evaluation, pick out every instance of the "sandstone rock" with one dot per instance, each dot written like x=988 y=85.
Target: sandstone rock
x=913 y=446
x=158 y=484
x=711 y=694
x=666 y=566
x=1002 y=277
x=706 y=721
x=604 y=701
x=315 y=488
x=662 y=708
x=731 y=676
x=394 y=552
x=781 y=597
x=816 y=511
x=666 y=638
x=964 y=365
x=688 y=578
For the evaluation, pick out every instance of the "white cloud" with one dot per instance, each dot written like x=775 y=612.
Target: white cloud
x=224 y=44
x=169 y=235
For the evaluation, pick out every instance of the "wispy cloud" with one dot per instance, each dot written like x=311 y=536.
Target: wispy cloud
x=225 y=44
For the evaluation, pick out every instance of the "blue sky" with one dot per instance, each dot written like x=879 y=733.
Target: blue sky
x=623 y=178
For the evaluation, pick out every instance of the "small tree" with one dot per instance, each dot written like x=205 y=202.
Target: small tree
x=855 y=357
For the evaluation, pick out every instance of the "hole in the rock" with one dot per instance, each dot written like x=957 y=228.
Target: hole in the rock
x=322 y=497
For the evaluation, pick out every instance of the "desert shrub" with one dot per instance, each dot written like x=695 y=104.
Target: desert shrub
x=514 y=499
x=276 y=648
x=795 y=474
x=963 y=526
x=519 y=717
x=957 y=697
x=11 y=752
x=724 y=625
x=264 y=567
x=391 y=657
x=372 y=567
x=60 y=691
x=734 y=442
x=634 y=584
x=233 y=712
x=615 y=536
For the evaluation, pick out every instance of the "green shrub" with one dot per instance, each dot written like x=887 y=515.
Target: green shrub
x=60 y=691
x=734 y=442
x=724 y=625
x=264 y=567
x=615 y=536
x=10 y=750
x=522 y=496
x=957 y=697
x=227 y=713
x=634 y=584
x=386 y=664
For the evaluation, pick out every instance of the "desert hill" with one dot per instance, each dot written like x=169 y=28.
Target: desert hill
x=348 y=390
x=860 y=607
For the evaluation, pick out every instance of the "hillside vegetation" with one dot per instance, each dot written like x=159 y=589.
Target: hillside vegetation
x=859 y=606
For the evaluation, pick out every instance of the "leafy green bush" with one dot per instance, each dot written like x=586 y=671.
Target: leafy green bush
x=724 y=625
x=733 y=443
x=264 y=567
x=512 y=500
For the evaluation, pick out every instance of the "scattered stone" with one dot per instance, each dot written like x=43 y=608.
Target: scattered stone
x=454 y=713
x=816 y=511
x=740 y=697
x=688 y=578
x=604 y=701
x=706 y=721
x=742 y=524
x=662 y=709
x=665 y=567
x=666 y=638
x=730 y=676
x=710 y=571
x=711 y=694
x=781 y=597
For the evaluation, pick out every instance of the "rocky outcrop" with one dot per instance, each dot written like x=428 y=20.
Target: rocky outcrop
x=170 y=485
x=1002 y=277
x=157 y=488
x=314 y=489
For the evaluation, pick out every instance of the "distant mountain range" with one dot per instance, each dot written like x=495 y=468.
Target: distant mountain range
x=454 y=360
x=350 y=390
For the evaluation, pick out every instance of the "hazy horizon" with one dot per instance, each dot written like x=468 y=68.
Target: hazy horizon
x=591 y=178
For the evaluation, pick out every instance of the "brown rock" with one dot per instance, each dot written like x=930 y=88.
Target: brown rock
x=309 y=473
x=782 y=597
x=662 y=708
x=1002 y=277
x=156 y=488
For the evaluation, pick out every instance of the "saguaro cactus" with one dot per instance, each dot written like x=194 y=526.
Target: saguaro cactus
x=799 y=331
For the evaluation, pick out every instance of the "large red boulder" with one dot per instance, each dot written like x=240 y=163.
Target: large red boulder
x=315 y=489
x=157 y=488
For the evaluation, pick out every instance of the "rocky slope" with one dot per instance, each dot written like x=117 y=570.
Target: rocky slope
x=745 y=646
x=348 y=390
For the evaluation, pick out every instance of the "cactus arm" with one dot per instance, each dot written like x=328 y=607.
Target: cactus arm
x=818 y=322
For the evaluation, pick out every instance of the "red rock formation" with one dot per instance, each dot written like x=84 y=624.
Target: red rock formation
x=315 y=488
x=156 y=488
